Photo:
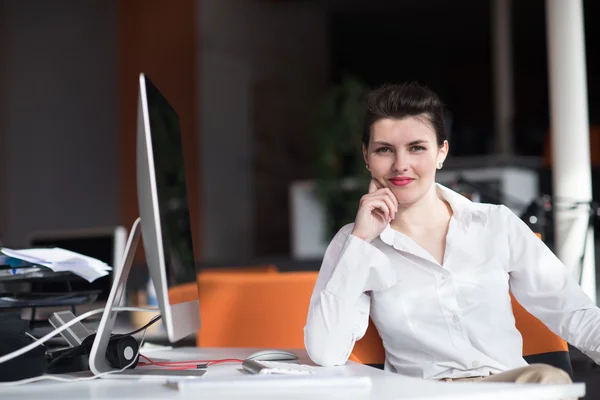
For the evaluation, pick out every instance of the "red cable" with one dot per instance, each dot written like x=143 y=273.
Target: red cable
x=192 y=364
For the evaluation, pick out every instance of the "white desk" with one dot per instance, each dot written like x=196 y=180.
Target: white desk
x=384 y=385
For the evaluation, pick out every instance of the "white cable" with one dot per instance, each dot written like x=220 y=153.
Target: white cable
x=50 y=335
x=85 y=378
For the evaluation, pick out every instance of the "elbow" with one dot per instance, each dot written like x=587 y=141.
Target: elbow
x=321 y=352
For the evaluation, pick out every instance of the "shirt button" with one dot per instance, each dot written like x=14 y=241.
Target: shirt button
x=455 y=318
x=475 y=364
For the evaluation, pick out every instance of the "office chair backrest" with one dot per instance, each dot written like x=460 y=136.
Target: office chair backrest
x=267 y=268
x=187 y=291
x=369 y=350
x=540 y=344
x=254 y=310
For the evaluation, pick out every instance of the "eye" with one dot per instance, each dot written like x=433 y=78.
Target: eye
x=384 y=149
x=417 y=149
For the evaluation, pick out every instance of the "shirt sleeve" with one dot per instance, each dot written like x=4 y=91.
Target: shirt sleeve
x=338 y=314
x=547 y=289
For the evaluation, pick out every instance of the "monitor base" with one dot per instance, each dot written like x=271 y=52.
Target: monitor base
x=98 y=362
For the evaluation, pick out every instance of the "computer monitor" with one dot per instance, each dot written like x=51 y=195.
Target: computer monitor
x=105 y=244
x=164 y=223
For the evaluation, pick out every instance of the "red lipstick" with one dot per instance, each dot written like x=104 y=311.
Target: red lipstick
x=401 y=181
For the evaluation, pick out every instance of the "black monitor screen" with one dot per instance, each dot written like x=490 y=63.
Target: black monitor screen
x=171 y=188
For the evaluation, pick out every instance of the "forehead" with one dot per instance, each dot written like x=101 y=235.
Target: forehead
x=402 y=130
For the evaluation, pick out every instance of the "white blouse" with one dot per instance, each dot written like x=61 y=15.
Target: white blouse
x=452 y=320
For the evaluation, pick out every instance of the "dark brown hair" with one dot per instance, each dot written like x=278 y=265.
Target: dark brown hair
x=399 y=101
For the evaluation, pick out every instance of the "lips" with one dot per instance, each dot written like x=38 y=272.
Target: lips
x=401 y=181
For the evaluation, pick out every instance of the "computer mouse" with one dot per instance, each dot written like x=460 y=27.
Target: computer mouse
x=272 y=355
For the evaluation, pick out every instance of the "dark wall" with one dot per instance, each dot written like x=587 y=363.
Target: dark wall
x=58 y=151
x=447 y=45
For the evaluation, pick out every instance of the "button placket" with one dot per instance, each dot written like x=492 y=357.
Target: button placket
x=455 y=317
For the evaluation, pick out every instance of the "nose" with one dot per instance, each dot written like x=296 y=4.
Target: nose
x=400 y=163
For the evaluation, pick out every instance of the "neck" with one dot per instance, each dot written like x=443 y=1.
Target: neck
x=425 y=214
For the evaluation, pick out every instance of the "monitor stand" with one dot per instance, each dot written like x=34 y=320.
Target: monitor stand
x=98 y=362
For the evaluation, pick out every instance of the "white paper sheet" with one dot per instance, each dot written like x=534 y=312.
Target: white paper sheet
x=59 y=260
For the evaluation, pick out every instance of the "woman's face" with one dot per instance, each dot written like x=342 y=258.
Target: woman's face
x=403 y=155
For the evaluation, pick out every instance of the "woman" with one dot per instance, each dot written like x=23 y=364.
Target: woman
x=433 y=269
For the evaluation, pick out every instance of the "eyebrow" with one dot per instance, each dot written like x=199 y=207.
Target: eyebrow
x=413 y=143
x=384 y=144
x=417 y=142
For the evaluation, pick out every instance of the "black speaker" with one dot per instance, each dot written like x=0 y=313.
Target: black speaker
x=13 y=337
x=120 y=352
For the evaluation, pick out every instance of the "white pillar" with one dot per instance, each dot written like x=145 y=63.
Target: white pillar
x=503 y=76
x=570 y=137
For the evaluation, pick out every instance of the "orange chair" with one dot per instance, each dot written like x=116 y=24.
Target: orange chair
x=251 y=309
x=187 y=291
x=540 y=344
x=369 y=349
x=269 y=268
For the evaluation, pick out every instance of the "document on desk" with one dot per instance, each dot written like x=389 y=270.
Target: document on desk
x=59 y=260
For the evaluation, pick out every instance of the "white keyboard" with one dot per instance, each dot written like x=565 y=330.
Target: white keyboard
x=277 y=368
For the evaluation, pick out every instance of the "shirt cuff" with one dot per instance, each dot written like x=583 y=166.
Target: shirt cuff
x=362 y=267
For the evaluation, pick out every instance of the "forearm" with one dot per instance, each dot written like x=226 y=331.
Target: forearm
x=339 y=309
x=333 y=326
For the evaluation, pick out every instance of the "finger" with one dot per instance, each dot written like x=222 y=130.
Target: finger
x=384 y=195
x=378 y=183
x=390 y=204
x=393 y=197
x=373 y=186
x=379 y=214
x=382 y=206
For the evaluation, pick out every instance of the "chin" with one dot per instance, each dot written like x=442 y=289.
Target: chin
x=408 y=195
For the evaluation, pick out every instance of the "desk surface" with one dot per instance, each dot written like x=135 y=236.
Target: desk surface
x=384 y=385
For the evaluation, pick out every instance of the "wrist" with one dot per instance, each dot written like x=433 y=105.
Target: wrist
x=361 y=236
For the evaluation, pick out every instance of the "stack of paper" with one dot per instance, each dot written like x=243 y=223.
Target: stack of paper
x=59 y=260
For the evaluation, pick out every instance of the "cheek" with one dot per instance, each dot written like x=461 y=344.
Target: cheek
x=426 y=166
x=379 y=165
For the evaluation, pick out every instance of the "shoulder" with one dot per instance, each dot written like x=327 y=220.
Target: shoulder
x=492 y=216
x=502 y=219
x=465 y=208
x=492 y=211
x=501 y=212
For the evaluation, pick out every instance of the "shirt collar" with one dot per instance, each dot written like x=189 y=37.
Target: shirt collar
x=463 y=211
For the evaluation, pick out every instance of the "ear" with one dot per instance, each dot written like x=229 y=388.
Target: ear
x=443 y=152
x=364 y=151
